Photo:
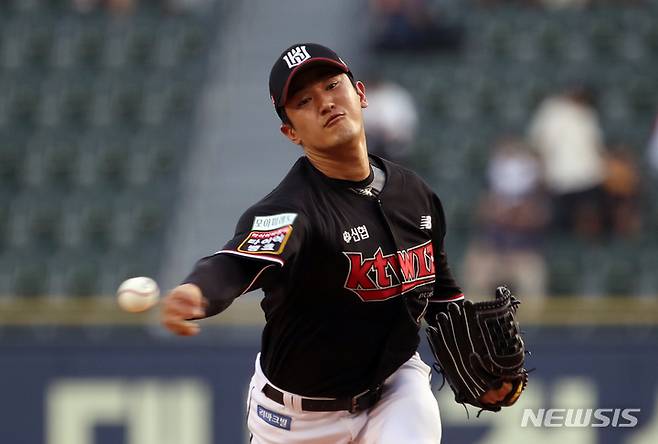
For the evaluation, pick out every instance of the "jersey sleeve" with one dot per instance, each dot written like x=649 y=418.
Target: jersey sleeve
x=268 y=234
x=446 y=288
x=266 y=238
x=222 y=278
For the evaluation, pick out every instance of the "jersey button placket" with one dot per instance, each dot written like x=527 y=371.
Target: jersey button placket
x=388 y=225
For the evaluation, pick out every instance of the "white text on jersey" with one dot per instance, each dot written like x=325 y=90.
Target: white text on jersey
x=356 y=234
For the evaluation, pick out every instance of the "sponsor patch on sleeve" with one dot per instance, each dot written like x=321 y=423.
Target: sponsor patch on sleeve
x=274 y=221
x=266 y=242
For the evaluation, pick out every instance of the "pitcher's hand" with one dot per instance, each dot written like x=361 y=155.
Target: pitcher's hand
x=494 y=396
x=182 y=304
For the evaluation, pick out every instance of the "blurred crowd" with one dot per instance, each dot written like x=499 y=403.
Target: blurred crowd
x=412 y=25
x=557 y=4
x=560 y=180
x=391 y=119
x=127 y=7
x=422 y=25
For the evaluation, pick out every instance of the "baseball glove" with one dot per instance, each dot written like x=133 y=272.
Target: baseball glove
x=478 y=347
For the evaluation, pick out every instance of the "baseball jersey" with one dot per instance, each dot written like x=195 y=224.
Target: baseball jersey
x=347 y=275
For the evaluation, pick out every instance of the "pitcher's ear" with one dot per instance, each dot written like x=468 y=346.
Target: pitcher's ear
x=361 y=91
x=288 y=131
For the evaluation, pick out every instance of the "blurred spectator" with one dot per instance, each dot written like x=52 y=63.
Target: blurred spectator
x=181 y=6
x=622 y=189
x=127 y=7
x=653 y=149
x=565 y=4
x=390 y=120
x=512 y=217
x=507 y=2
x=409 y=25
x=116 y=7
x=548 y=4
x=566 y=132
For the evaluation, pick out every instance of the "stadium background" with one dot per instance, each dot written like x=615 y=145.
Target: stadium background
x=131 y=141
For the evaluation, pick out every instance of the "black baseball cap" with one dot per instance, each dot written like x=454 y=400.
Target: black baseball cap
x=291 y=61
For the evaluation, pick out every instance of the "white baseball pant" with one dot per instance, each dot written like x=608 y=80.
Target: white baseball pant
x=406 y=413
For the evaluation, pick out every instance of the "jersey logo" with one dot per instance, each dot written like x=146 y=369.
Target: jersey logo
x=356 y=234
x=382 y=276
x=266 y=242
x=296 y=56
x=425 y=222
x=274 y=221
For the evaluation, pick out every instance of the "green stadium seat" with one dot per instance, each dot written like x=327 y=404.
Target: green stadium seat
x=93 y=114
x=651 y=42
x=96 y=223
x=61 y=164
x=14 y=39
x=29 y=277
x=24 y=103
x=73 y=272
x=90 y=44
x=622 y=270
x=171 y=48
x=112 y=165
x=603 y=36
x=553 y=43
x=647 y=280
x=65 y=46
x=104 y=106
x=82 y=279
x=44 y=225
x=7 y=263
x=565 y=267
x=116 y=48
x=4 y=222
x=11 y=162
x=142 y=43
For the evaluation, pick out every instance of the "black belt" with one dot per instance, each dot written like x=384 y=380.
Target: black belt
x=360 y=402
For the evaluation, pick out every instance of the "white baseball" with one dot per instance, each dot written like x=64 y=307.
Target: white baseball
x=138 y=294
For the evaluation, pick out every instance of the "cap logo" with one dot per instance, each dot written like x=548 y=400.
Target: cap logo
x=296 y=56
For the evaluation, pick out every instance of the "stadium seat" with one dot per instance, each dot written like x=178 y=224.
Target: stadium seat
x=29 y=277
x=4 y=221
x=92 y=117
x=11 y=162
x=564 y=267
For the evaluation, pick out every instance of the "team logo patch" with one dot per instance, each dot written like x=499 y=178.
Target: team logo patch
x=296 y=56
x=274 y=221
x=382 y=276
x=273 y=418
x=266 y=242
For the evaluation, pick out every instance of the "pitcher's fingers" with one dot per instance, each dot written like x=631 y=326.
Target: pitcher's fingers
x=494 y=396
x=181 y=327
x=175 y=307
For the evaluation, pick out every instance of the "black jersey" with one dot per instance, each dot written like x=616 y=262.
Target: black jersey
x=347 y=276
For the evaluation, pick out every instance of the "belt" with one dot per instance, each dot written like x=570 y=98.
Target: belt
x=362 y=401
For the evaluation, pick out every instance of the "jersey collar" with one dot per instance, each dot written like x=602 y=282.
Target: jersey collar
x=347 y=184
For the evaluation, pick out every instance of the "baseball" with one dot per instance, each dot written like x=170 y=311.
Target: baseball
x=138 y=294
